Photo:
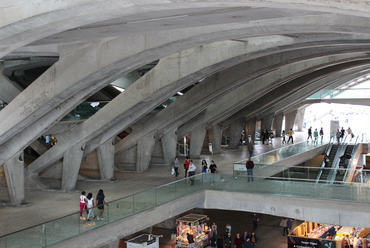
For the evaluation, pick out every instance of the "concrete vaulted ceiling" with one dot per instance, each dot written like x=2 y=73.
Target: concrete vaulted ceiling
x=99 y=41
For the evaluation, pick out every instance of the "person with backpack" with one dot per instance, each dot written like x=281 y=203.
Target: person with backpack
x=321 y=134
x=249 y=165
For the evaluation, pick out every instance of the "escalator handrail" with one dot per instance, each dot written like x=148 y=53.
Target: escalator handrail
x=353 y=153
x=327 y=150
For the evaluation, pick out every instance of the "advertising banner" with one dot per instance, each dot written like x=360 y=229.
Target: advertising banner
x=299 y=242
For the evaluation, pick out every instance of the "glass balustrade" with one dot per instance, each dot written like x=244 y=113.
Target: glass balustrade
x=55 y=231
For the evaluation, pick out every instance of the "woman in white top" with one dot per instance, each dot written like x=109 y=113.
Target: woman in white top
x=90 y=205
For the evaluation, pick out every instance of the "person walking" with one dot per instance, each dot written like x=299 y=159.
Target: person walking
x=350 y=133
x=204 y=169
x=213 y=169
x=186 y=166
x=250 y=148
x=255 y=221
x=316 y=137
x=290 y=133
x=321 y=134
x=309 y=134
x=100 y=202
x=283 y=137
x=289 y=225
x=176 y=166
x=83 y=201
x=337 y=134
x=192 y=169
x=90 y=205
x=342 y=132
x=249 y=165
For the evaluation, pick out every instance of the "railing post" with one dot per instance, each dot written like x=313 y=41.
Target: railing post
x=43 y=235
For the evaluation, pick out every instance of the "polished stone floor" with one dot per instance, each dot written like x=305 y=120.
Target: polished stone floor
x=48 y=205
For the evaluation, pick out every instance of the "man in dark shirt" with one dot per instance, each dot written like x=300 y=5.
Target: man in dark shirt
x=213 y=169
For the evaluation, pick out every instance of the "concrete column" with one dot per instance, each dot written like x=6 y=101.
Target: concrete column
x=235 y=132
x=105 y=154
x=278 y=124
x=299 y=119
x=196 y=142
x=251 y=128
x=290 y=119
x=14 y=174
x=71 y=166
x=169 y=146
x=216 y=139
x=266 y=122
x=144 y=150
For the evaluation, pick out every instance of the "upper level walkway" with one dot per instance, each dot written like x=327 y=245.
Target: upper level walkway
x=326 y=203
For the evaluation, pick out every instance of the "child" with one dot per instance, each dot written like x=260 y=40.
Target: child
x=90 y=205
x=83 y=201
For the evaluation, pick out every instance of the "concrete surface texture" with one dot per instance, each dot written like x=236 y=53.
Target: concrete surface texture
x=223 y=64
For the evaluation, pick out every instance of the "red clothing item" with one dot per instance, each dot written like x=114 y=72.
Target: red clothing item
x=249 y=164
x=238 y=242
x=82 y=207
x=187 y=164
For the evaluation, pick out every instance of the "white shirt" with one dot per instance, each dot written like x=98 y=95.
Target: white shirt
x=82 y=199
x=90 y=202
x=192 y=167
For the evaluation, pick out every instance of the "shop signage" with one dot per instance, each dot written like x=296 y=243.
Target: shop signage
x=298 y=242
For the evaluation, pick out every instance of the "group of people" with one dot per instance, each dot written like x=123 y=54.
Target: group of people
x=290 y=136
x=245 y=240
x=266 y=136
x=87 y=203
x=316 y=134
x=190 y=168
x=340 y=134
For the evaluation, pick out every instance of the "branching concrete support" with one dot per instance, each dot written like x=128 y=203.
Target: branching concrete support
x=196 y=142
x=145 y=147
x=71 y=166
x=266 y=122
x=299 y=119
x=235 y=132
x=105 y=154
x=216 y=139
x=169 y=146
x=14 y=174
x=290 y=119
x=250 y=128
x=278 y=124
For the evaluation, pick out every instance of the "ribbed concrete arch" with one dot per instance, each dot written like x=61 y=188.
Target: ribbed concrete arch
x=232 y=107
x=180 y=111
x=24 y=21
x=66 y=97
x=335 y=79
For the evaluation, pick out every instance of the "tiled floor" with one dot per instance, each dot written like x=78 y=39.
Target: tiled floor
x=49 y=205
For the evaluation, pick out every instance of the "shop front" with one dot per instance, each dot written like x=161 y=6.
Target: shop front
x=195 y=225
x=314 y=235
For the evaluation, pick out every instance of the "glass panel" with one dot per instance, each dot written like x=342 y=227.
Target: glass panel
x=31 y=238
x=341 y=93
x=120 y=209
x=62 y=229
x=144 y=200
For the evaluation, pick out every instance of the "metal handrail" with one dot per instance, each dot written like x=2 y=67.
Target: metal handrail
x=327 y=150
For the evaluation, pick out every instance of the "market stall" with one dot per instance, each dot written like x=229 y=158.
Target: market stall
x=194 y=224
x=144 y=240
x=314 y=235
